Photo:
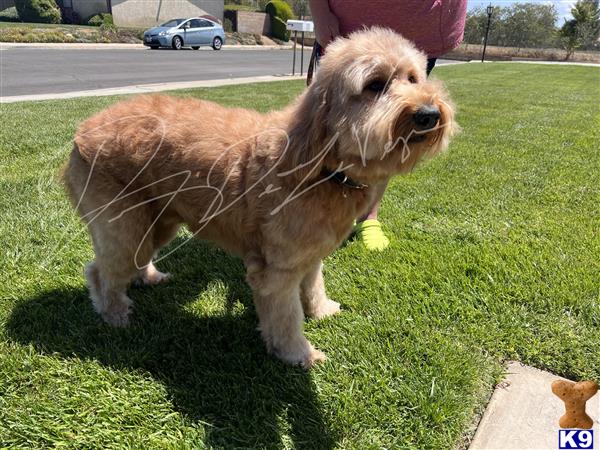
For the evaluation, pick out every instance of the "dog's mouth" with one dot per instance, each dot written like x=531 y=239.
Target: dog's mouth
x=416 y=133
x=418 y=138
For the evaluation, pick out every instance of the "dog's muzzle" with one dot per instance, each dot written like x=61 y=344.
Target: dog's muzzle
x=426 y=117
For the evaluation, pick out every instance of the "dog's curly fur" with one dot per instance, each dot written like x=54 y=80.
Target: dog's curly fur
x=255 y=184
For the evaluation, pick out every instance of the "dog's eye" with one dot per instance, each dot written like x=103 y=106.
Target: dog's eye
x=412 y=79
x=376 y=86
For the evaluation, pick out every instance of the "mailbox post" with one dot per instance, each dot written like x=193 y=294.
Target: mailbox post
x=302 y=26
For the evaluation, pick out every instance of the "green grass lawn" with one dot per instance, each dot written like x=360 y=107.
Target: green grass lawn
x=495 y=255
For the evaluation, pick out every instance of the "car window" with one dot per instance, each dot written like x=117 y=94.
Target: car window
x=195 y=23
x=205 y=23
x=172 y=23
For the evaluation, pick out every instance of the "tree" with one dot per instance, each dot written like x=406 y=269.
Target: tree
x=520 y=25
x=475 y=26
x=300 y=7
x=587 y=15
x=529 y=25
x=38 y=11
x=570 y=39
x=583 y=30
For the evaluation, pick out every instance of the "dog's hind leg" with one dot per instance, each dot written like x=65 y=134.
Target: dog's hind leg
x=122 y=238
x=123 y=245
x=121 y=252
x=312 y=293
x=163 y=232
x=277 y=301
x=151 y=276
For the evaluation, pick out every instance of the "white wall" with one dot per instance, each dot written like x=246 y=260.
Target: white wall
x=87 y=8
x=253 y=22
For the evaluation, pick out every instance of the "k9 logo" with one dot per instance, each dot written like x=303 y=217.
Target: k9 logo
x=576 y=439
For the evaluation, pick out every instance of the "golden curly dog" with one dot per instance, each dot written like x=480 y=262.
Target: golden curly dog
x=281 y=190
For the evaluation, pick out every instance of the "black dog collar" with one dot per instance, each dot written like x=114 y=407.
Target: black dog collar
x=342 y=179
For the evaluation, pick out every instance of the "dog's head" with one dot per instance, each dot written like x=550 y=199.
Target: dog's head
x=371 y=94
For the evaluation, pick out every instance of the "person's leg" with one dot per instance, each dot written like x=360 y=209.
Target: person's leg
x=368 y=227
x=430 y=65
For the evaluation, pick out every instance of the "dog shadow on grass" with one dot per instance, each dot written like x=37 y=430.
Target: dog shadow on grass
x=214 y=365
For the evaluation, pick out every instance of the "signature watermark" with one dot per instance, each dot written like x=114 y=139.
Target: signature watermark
x=217 y=205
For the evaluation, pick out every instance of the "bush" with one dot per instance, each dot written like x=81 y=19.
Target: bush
x=279 y=8
x=244 y=38
x=27 y=34
x=107 y=28
x=9 y=15
x=101 y=19
x=279 y=29
x=280 y=13
x=38 y=11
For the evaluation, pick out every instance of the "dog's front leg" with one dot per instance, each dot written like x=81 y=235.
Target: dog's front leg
x=312 y=293
x=277 y=301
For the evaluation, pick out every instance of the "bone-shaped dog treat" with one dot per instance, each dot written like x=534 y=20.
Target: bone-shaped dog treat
x=575 y=395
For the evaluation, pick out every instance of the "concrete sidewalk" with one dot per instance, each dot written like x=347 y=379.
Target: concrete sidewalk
x=555 y=63
x=523 y=412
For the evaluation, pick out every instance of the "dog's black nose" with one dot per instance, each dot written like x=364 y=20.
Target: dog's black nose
x=426 y=117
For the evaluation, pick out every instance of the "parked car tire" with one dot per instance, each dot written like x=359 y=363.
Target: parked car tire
x=154 y=47
x=195 y=47
x=177 y=43
x=217 y=43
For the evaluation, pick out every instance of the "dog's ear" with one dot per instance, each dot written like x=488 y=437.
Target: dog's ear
x=308 y=133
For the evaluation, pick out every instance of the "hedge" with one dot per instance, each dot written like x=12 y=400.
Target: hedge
x=279 y=8
x=280 y=12
x=38 y=11
x=101 y=19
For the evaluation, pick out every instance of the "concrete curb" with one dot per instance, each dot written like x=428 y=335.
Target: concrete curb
x=148 y=88
x=117 y=46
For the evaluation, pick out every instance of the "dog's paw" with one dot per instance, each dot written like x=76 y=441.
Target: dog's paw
x=118 y=313
x=313 y=358
x=303 y=355
x=119 y=320
x=155 y=278
x=326 y=308
x=151 y=276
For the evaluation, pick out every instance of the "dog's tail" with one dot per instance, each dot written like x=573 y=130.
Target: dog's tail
x=75 y=175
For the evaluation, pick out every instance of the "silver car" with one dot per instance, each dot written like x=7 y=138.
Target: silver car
x=178 y=33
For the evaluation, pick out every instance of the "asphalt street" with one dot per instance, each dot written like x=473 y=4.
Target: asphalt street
x=31 y=70
x=27 y=70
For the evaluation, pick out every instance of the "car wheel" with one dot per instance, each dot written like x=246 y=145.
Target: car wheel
x=217 y=43
x=177 y=43
x=195 y=47
x=154 y=47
